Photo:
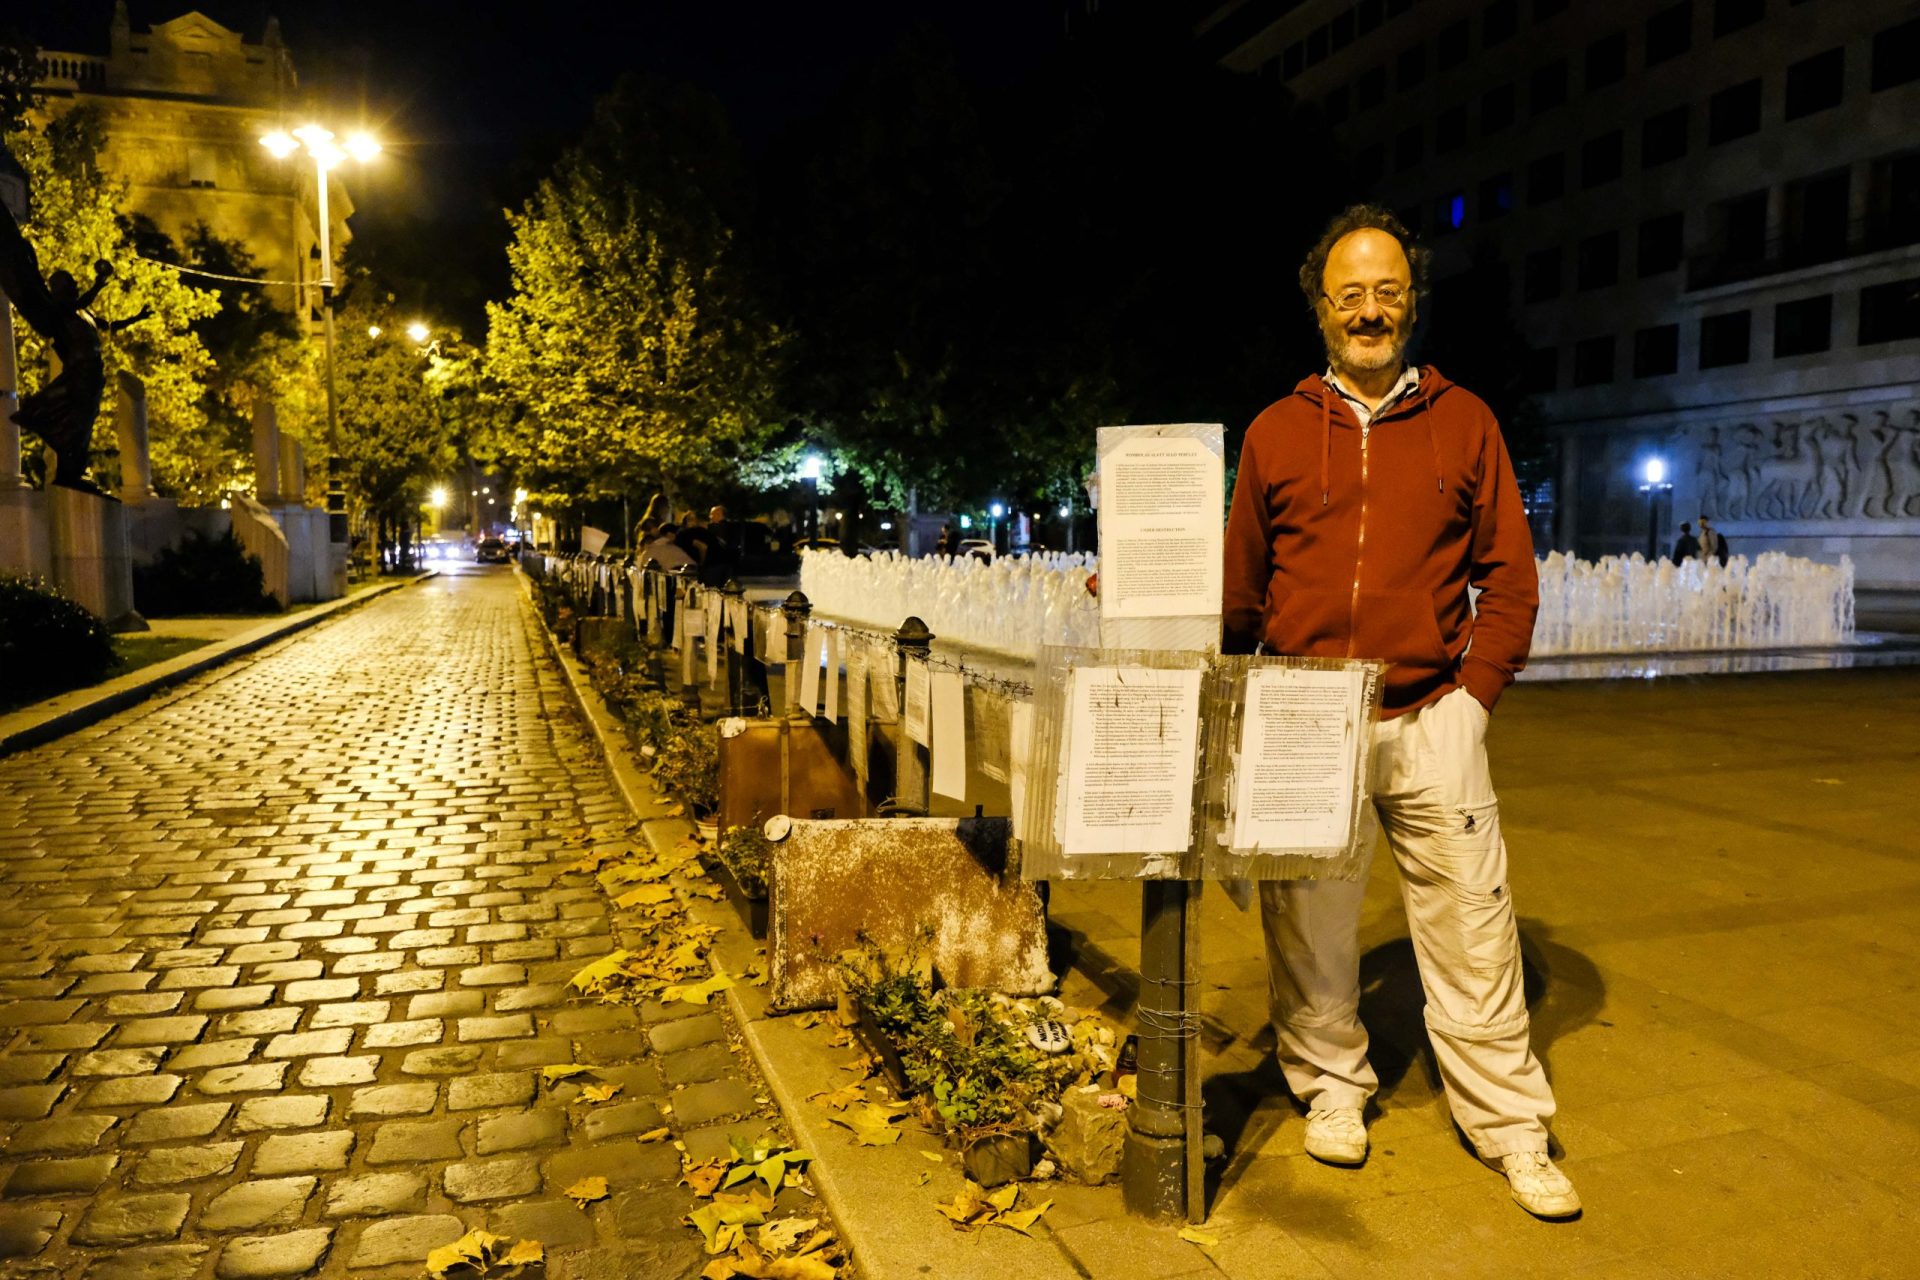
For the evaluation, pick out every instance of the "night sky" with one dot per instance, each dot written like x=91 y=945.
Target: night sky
x=474 y=101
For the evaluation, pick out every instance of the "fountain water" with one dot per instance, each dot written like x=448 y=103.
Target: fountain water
x=1618 y=605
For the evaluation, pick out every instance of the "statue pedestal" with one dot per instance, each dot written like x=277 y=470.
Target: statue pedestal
x=91 y=559
x=309 y=558
x=23 y=533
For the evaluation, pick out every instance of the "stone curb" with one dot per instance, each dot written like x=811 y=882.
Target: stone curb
x=62 y=714
x=885 y=1216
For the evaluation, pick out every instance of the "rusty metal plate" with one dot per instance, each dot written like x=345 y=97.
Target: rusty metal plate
x=887 y=879
x=818 y=784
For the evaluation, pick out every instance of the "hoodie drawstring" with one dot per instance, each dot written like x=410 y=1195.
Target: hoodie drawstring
x=1326 y=444
x=1433 y=443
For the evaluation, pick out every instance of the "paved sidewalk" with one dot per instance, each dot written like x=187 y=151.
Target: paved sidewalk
x=281 y=954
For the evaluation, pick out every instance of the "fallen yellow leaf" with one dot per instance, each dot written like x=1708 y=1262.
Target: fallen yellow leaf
x=646 y=895
x=586 y=1191
x=654 y=1135
x=1194 y=1235
x=600 y=1091
x=561 y=1070
x=525 y=1253
x=470 y=1250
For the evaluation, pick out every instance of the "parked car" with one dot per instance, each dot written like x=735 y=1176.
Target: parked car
x=491 y=551
x=979 y=548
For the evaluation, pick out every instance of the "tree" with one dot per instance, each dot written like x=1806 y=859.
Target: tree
x=393 y=432
x=636 y=356
x=74 y=222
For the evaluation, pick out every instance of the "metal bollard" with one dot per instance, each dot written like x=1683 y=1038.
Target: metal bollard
x=911 y=778
x=1162 y=1142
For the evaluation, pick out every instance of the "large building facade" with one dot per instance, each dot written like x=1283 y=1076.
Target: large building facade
x=1708 y=212
x=184 y=104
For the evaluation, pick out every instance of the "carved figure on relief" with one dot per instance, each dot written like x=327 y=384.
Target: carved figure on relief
x=1742 y=475
x=1833 y=479
x=1710 y=475
x=1788 y=474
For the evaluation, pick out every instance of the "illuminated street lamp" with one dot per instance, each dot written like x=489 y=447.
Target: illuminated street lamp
x=327 y=154
x=418 y=331
x=1655 y=486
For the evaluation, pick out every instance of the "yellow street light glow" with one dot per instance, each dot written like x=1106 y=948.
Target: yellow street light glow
x=438 y=498
x=418 y=331
x=374 y=331
x=280 y=144
x=313 y=135
x=361 y=146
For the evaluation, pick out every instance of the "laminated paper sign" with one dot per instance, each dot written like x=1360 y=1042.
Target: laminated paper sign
x=1161 y=498
x=949 y=698
x=836 y=656
x=815 y=653
x=1020 y=731
x=1295 y=778
x=919 y=698
x=857 y=709
x=1132 y=740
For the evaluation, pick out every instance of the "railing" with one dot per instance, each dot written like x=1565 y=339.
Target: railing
x=71 y=71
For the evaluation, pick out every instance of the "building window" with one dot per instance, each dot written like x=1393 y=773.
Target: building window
x=1725 y=339
x=1294 y=60
x=1606 y=60
x=1730 y=16
x=1670 y=32
x=1815 y=84
x=1496 y=196
x=1450 y=130
x=1739 y=240
x=200 y=168
x=1656 y=351
x=1597 y=264
x=1316 y=46
x=1342 y=30
x=1544 y=9
x=1397 y=7
x=1816 y=218
x=1370 y=90
x=1593 y=361
x=1600 y=159
x=1411 y=68
x=1547 y=87
x=1734 y=112
x=1803 y=327
x=1499 y=22
x=1893 y=201
x=1890 y=312
x=1413 y=217
x=1334 y=107
x=1540 y=275
x=1450 y=47
x=1369 y=163
x=1542 y=371
x=1547 y=178
x=1896 y=56
x=1496 y=109
x=1663 y=137
x=1367 y=17
x=1452 y=211
x=1660 y=244
x=1408 y=148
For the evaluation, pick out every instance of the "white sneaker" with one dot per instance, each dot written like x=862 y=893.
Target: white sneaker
x=1337 y=1136
x=1537 y=1185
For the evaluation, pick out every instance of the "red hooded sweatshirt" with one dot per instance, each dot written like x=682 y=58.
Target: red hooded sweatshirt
x=1346 y=542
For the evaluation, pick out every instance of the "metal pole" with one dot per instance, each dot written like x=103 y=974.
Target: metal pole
x=797 y=609
x=1153 y=1171
x=336 y=465
x=913 y=643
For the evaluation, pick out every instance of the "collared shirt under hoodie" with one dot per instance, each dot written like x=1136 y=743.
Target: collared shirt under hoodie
x=1352 y=541
x=1409 y=379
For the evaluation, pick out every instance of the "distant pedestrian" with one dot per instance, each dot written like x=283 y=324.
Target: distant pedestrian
x=1686 y=547
x=1713 y=545
x=722 y=558
x=945 y=544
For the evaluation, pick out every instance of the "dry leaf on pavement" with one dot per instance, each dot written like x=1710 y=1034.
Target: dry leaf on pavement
x=586 y=1191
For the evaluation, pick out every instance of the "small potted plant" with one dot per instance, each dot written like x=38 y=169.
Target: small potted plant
x=747 y=855
x=688 y=767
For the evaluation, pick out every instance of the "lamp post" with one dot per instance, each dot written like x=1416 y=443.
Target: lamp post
x=327 y=154
x=1656 y=485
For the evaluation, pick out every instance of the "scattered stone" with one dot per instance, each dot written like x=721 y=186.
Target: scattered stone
x=323 y=989
x=358 y=1013
x=133 y=1091
x=270 y=1257
x=30 y=1068
x=303 y=1111
x=543 y=1052
x=73 y=1036
x=25 y=1232
x=335 y=1073
x=162 y=1030
x=68 y=1133
x=495 y=1089
x=513 y=1026
x=545 y=1128
x=254 y=1077
x=691 y=1066
x=604 y=1122
x=311 y=1044
x=440 y=1062
x=260 y=1022
x=153 y=1262
x=405 y=1239
x=170 y=1165
x=173 y=1124
x=80 y=1176
x=672 y=1037
x=274 y=1202
x=377 y=1195
x=394 y=1100
x=29 y=1102
x=398 y=1035
x=131 y=1219
x=492 y=975
x=409 y=1141
x=478 y=1180
x=446 y=1004
x=215 y=1053
x=303 y=1153
x=120 y=1062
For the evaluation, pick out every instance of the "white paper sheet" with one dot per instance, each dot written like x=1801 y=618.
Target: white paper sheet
x=836 y=658
x=1020 y=731
x=919 y=699
x=881 y=672
x=714 y=636
x=813 y=654
x=738 y=613
x=949 y=710
x=857 y=709
x=1294 y=781
x=1161 y=528
x=1131 y=745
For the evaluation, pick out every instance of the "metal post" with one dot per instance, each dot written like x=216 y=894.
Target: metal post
x=1153 y=1171
x=911 y=777
x=798 y=609
x=336 y=465
x=742 y=697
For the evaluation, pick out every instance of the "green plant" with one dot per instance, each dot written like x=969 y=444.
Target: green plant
x=688 y=766
x=48 y=643
x=747 y=853
x=202 y=575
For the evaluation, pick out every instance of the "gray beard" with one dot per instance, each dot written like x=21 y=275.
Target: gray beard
x=1347 y=355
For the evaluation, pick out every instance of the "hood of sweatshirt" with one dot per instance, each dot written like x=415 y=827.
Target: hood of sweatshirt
x=1419 y=399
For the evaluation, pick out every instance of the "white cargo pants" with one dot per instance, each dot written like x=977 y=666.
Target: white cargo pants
x=1434 y=795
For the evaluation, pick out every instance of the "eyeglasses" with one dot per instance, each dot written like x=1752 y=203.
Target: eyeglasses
x=1353 y=297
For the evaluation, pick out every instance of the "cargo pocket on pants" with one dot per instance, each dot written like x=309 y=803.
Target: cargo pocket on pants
x=1477 y=884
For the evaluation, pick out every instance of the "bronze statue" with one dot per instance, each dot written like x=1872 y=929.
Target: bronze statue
x=62 y=412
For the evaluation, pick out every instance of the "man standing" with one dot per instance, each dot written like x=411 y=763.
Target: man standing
x=1686 y=546
x=1712 y=545
x=1367 y=503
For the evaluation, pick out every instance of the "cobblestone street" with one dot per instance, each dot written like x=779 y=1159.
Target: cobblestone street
x=281 y=954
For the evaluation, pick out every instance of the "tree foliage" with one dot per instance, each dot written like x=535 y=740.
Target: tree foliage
x=75 y=222
x=394 y=432
x=635 y=353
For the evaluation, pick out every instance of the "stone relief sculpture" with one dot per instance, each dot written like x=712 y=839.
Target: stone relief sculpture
x=1824 y=467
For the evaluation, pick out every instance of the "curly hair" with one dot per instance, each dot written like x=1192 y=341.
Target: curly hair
x=1313 y=271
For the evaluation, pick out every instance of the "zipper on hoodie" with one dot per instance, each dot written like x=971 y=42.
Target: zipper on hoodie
x=1360 y=544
